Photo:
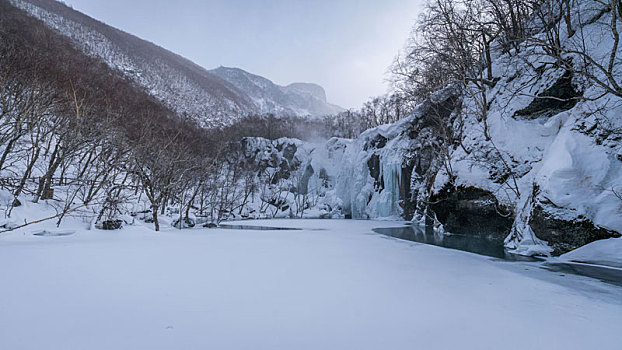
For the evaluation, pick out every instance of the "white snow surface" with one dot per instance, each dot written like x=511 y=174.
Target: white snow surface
x=603 y=252
x=333 y=285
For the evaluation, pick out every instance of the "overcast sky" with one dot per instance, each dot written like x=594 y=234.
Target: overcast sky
x=344 y=45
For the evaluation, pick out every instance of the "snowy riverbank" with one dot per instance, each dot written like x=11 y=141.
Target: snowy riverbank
x=333 y=285
x=604 y=252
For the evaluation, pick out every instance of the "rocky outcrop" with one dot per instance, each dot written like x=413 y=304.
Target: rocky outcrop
x=559 y=97
x=472 y=211
x=260 y=154
x=389 y=170
x=565 y=235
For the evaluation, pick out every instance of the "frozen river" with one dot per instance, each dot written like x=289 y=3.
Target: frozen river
x=332 y=284
x=495 y=248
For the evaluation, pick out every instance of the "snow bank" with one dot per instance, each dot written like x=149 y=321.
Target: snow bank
x=604 y=252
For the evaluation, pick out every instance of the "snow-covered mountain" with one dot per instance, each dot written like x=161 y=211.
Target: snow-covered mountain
x=213 y=98
x=300 y=99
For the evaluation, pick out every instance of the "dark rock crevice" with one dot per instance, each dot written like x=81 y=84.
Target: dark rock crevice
x=377 y=142
x=407 y=203
x=561 y=96
x=373 y=164
x=472 y=211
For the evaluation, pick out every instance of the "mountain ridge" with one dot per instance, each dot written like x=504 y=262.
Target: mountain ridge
x=296 y=98
x=182 y=85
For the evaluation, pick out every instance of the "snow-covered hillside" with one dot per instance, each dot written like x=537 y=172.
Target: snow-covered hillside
x=554 y=152
x=180 y=84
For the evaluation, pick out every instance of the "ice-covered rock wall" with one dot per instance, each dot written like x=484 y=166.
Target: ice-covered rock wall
x=542 y=169
x=387 y=170
x=291 y=178
x=553 y=155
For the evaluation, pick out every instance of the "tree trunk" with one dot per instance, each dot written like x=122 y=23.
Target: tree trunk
x=568 y=18
x=164 y=200
x=7 y=150
x=154 y=210
x=25 y=177
x=488 y=58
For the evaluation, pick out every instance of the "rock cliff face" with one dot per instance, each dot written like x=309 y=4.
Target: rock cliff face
x=547 y=178
x=298 y=99
x=389 y=171
x=541 y=168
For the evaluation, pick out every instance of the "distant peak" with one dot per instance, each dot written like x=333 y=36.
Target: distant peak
x=312 y=89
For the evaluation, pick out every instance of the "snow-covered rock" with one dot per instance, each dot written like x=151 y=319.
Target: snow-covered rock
x=386 y=172
x=554 y=160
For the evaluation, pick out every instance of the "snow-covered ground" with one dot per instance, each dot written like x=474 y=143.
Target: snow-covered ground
x=602 y=252
x=333 y=285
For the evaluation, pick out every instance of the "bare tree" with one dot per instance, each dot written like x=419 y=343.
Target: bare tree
x=571 y=47
x=161 y=164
